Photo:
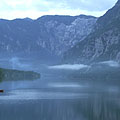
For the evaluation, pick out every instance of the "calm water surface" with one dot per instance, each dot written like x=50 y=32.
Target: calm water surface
x=56 y=97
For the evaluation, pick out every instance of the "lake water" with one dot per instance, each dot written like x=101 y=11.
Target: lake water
x=56 y=96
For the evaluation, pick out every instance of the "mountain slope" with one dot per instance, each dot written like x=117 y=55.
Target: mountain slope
x=48 y=35
x=103 y=43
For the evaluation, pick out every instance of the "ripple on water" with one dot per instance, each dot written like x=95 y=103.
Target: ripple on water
x=37 y=95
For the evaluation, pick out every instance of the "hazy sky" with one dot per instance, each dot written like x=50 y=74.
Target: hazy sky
x=10 y=9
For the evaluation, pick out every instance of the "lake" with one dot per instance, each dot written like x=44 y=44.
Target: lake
x=56 y=96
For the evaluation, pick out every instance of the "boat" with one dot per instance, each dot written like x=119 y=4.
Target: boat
x=1 y=91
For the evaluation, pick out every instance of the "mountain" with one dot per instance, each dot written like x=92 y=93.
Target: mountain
x=46 y=37
x=102 y=44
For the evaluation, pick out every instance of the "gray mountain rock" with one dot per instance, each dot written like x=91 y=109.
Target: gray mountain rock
x=46 y=36
x=102 y=44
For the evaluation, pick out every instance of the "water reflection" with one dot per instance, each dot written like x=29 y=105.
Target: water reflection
x=50 y=106
x=100 y=107
x=57 y=97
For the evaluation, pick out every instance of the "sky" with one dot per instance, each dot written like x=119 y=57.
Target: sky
x=11 y=9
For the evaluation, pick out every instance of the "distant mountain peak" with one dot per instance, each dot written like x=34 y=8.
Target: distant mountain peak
x=118 y=2
x=65 y=19
x=49 y=35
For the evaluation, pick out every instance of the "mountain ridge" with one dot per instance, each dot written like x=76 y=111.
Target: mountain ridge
x=46 y=35
x=102 y=44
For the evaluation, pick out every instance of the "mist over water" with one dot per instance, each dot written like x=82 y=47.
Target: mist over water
x=57 y=95
x=65 y=85
x=78 y=67
x=15 y=63
x=69 y=66
x=110 y=63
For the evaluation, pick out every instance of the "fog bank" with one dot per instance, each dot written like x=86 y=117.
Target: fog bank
x=69 y=66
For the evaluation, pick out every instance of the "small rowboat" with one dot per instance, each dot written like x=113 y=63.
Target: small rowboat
x=1 y=91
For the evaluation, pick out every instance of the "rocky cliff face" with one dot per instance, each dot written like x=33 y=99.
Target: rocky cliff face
x=103 y=43
x=46 y=35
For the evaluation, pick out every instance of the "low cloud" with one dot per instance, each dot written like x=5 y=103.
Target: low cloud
x=69 y=67
x=110 y=63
